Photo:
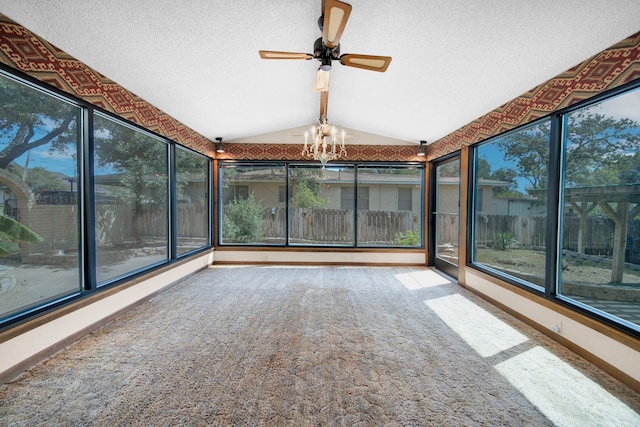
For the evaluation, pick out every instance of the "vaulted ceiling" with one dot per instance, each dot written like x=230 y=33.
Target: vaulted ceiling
x=453 y=60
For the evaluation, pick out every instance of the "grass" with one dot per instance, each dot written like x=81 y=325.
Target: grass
x=532 y=262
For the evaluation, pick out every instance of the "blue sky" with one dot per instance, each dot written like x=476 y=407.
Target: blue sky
x=52 y=161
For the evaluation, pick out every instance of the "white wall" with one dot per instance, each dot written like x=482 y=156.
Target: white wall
x=608 y=349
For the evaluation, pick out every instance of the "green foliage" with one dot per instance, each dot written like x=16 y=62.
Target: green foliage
x=12 y=233
x=450 y=169
x=306 y=197
x=139 y=158
x=600 y=150
x=30 y=118
x=39 y=179
x=504 y=240
x=410 y=238
x=528 y=151
x=307 y=186
x=242 y=222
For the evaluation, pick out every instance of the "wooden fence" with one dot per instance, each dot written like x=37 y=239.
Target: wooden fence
x=531 y=232
x=58 y=226
x=336 y=226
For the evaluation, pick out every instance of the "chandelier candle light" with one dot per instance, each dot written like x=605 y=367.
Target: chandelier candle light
x=319 y=148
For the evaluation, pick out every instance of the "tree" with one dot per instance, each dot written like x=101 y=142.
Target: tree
x=31 y=119
x=528 y=151
x=506 y=175
x=450 y=170
x=140 y=159
x=307 y=188
x=306 y=197
x=483 y=169
x=601 y=149
x=39 y=179
x=503 y=174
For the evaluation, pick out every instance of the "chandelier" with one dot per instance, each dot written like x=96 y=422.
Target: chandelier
x=325 y=145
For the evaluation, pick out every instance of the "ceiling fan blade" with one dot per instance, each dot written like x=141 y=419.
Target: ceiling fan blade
x=324 y=104
x=367 y=62
x=336 y=14
x=321 y=84
x=270 y=54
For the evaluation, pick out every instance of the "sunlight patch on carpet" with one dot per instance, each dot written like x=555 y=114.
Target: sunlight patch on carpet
x=563 y=394
x=485 y=333
x=421 y=279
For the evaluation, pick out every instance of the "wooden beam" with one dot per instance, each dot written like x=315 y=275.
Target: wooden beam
x=582 y=215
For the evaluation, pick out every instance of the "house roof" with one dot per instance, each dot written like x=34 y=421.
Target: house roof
x=453 y=60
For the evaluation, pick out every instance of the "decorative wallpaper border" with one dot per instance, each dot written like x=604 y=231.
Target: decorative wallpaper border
x=24 y=51
x=609 y=69
x=292 y=152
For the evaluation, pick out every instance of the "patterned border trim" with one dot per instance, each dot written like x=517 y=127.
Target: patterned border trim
x=292 y=152
x=609 y=69
x=24 y=51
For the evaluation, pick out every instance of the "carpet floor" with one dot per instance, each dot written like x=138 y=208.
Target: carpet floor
x=316 y=346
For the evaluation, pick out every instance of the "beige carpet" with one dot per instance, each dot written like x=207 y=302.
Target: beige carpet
x=316 y=346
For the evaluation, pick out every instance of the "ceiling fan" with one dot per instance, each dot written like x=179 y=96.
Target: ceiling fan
x=326 y=49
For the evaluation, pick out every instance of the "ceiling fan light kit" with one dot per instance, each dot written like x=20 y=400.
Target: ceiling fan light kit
x=326 y=49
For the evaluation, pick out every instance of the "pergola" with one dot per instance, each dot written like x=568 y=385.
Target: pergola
x=617 y=202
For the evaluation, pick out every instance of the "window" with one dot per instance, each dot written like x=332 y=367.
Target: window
x=510 y=185
x=382 y=223
x=321 y=204
x=192 y=207
x=363 y=198
x=346 y=198
x=251 y=210
x=39 y=152
x=316 y=216
x=71 y=245
x=404 y=198
x=601 y=207
x=131 y=205
x=232 y=192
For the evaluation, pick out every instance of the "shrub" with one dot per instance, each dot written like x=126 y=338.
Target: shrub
x=504 y=240
x=242 y=222
x=410 y=238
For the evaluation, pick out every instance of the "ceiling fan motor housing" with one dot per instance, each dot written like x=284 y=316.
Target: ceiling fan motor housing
x=325 y=54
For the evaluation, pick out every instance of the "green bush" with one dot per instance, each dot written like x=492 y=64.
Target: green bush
x=242 y=222
x=410 y=238
x=504 y=240
x=306 y=196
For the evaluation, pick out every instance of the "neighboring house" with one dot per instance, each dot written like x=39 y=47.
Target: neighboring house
x=376 y=192
x=487 y=201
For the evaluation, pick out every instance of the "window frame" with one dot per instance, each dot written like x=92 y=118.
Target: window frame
x=420 y=166
x=554 y=214
x=86 y=201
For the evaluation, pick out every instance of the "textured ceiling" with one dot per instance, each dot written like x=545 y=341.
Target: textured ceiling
x=453 y=60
